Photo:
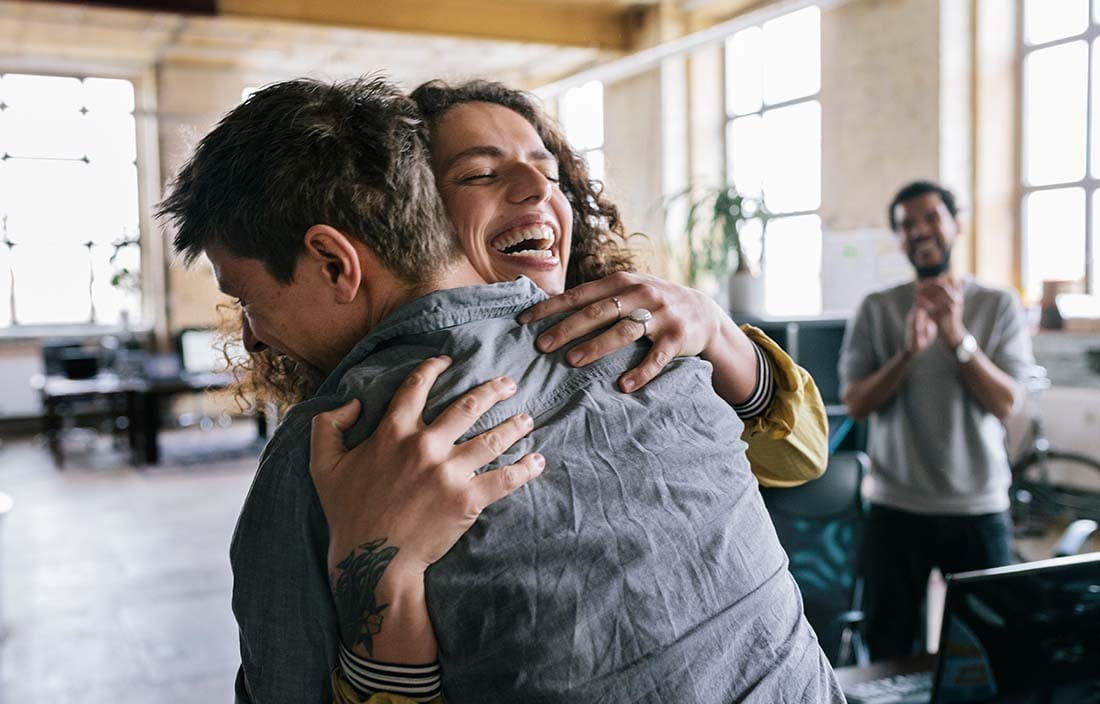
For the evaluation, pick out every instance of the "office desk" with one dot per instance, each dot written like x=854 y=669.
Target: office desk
x=143 y=397
x=848 y=676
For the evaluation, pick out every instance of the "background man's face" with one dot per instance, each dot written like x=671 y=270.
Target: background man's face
x=926 y=232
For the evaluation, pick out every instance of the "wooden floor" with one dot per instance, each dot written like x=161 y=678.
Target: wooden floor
x=116 y=581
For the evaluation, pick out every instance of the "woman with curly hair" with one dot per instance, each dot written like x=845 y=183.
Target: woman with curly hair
x=785 y=424
x=590 y=269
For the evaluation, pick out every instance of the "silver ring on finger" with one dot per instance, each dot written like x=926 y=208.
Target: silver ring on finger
x=618 y=307
x=643 y=316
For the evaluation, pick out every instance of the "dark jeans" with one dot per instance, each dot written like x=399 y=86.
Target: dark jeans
x=900 y=550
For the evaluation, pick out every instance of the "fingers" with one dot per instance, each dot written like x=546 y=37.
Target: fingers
x=483 y=449
x=616 y=337
x=592 y=317
x=930 y=300
x=936 y=293
x=490 y=487
x=326 y=442
x=578 y=296
x=461 y=415
x=407 y=405
x=658 y=358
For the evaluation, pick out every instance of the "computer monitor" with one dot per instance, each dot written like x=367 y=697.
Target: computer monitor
x=1024 y=633
x=819 y=354
x=814 y=344
x=198 y=353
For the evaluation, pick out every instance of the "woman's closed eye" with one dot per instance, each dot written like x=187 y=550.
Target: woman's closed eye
x=487 y=176
x=479 y=176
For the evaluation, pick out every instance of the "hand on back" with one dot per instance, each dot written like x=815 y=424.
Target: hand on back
x=685 y=322
x=409 y=483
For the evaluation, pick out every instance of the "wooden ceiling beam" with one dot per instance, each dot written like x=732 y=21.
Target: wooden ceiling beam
x=592 y=25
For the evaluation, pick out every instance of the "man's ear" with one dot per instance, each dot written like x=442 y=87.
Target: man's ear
x=903 y=245
x=962 y=225
x=336 y=260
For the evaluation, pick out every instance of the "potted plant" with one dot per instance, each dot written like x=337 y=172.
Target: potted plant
x=715 y=229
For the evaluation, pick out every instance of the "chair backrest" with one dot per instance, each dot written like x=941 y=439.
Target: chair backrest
x=820 y=524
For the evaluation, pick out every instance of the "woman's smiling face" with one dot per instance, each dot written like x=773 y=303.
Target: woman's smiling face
x=500 y=187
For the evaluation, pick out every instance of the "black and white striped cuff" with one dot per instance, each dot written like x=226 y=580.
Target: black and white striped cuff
x=762 y=396
x=421 y=683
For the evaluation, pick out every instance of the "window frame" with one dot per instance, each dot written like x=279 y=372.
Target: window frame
x=1090 y=184
x=150 y=243
x=602 y=147
x=765 y=107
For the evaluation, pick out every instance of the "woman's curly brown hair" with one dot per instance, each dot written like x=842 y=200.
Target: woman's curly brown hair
x=599 y=242
x=263 y=377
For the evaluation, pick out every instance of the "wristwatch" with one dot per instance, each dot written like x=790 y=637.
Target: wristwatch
x=966 y=349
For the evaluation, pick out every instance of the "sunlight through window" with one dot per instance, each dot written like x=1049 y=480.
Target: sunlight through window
x=69 y=232
x=773 y=148
x=1060 y=144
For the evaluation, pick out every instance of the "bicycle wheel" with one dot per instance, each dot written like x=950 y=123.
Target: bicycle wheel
x=1059 y=485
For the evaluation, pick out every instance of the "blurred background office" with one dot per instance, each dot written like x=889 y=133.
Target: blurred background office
x=123 y=455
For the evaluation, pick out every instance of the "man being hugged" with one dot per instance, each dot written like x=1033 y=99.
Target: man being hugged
x=641 y=566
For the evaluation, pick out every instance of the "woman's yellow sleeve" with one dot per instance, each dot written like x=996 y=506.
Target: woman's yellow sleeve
x=344 y=693
x=788 y=443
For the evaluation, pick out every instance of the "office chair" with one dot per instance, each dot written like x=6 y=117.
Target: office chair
x=820 y=524
x=1074 y=537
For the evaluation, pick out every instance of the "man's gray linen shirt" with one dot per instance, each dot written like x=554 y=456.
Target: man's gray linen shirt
x=640 y=567
x=934 y=449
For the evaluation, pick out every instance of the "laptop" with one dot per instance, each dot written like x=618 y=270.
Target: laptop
x=1023 y=633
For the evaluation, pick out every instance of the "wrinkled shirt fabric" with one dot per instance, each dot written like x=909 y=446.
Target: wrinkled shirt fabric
x=641 y=566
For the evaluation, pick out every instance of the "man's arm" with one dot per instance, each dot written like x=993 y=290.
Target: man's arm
x=865 y=396
x=995 y=390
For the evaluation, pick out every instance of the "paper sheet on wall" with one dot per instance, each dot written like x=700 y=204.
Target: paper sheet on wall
x=857 y=262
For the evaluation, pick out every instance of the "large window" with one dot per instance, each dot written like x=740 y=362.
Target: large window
x=1061 y=143
x=581 y=115
x=773 y=149
x=69 y=233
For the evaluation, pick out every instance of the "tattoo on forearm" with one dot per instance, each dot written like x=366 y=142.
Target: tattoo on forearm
x=354 y=581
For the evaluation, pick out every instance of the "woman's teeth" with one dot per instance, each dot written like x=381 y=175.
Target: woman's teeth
x=528 y=241
x=538 y=253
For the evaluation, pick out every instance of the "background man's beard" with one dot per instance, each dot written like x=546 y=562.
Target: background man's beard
x=929 y=271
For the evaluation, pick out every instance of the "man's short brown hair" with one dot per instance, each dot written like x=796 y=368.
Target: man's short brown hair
x=352 y=155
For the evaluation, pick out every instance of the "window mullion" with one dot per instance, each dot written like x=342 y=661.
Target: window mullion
x=1089 y=273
